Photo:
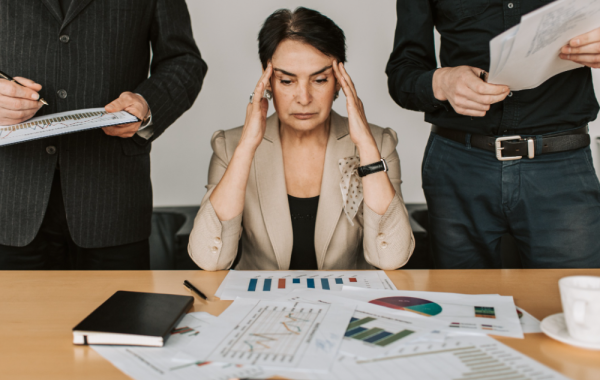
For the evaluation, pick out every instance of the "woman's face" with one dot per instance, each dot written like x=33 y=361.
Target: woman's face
x=303 y=85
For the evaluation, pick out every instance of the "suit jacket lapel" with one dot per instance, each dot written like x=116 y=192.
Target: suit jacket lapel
x=272 y=192
x=74 y=9
x=54 y=8
x=330 y=200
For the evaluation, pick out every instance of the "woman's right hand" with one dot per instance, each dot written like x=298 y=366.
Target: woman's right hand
x=256 y=113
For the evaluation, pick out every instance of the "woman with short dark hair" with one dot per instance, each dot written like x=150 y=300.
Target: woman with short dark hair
x=304 y=188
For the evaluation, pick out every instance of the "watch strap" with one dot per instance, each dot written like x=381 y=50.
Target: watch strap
x=379 y=166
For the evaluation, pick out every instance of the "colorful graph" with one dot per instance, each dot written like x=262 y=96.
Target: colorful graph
x=310 y=283
x=412 y=304
x=485 y=312
x=374 y=335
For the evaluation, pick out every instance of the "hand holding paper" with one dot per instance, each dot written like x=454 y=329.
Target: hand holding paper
x=132 y=103
x=584 y=49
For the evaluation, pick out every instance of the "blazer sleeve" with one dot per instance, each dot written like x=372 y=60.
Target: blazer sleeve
x=213 y=243
x=177 y=70
x=388 y=241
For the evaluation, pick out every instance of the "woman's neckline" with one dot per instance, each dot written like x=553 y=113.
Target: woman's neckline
x=303 y=199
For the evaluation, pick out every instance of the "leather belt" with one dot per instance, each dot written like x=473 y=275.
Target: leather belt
x=509 y=148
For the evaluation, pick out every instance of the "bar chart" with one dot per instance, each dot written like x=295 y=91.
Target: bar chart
x=274 y=284
x=374 y=335
x=268 y=284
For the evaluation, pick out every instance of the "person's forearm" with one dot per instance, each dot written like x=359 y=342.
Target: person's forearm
x=378 y=191
x=228 y=196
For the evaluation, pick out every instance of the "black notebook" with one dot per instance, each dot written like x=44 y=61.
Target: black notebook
x=133 y=318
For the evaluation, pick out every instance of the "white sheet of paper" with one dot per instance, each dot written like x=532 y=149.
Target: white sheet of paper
x=142 y=363
x=275 y=334
x=452 y=312
x=61 y=123
x=460 y=357
x=373 y=331
x=275 y=284
x=529 y=323
x=533 y=56
x=466 y=357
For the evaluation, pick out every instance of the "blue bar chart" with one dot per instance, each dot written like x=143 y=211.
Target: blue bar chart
x=272 y=284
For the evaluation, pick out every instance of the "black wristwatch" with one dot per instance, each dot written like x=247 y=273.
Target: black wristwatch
x=379 y=166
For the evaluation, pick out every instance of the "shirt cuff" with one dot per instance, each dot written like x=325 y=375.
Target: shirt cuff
x=425 y=91
x=146 y=130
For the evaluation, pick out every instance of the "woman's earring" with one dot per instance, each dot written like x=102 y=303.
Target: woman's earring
x=337 y=95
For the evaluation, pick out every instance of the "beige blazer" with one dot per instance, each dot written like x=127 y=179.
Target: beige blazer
x=265 y=226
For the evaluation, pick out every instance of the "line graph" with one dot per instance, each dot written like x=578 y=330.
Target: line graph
x=275 y=334
x=61 y=123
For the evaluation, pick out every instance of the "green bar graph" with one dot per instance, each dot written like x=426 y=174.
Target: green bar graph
x=365 y=334
x=392 y=338
x=359 y=322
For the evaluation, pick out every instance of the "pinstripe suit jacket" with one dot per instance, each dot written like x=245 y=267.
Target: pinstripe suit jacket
x=105 y=180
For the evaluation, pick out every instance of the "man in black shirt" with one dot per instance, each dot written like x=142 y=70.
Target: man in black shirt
x=539 y=183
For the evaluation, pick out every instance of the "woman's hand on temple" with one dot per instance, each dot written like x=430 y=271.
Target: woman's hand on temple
x=256 y=113
x=357 y=120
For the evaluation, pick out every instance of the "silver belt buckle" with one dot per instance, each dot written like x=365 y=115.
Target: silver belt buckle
x=499 y=148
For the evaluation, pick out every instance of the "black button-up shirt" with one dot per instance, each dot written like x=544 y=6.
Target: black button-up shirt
x=563 y=102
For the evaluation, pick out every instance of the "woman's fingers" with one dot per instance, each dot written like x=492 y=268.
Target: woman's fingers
x=345 y=86
x=348 y=80
x=267 y=75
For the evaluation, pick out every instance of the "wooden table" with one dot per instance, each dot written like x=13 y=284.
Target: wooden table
x=39 y=309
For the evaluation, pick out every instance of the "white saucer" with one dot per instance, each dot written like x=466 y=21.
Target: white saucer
x=555 y=327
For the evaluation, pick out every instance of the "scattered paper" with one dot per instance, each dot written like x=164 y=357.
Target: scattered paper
x=461 y=313
x=274 y=284
x=275 y=334
x=529 y=323
x=144 y=363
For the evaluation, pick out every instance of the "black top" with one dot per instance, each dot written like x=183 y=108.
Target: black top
x=304 y=216
x=563 y=102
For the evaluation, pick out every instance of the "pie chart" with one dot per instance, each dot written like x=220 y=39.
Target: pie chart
x=415 y=305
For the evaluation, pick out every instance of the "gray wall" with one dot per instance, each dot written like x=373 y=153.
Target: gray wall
x=226 y=33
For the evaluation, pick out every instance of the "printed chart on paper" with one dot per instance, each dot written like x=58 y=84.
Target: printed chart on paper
x=274 y=284
x=61 y=123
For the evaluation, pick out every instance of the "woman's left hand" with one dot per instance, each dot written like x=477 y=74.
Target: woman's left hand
x=360 y=133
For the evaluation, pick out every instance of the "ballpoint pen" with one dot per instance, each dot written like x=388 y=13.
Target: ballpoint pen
x=191 y=287
x=9 y=78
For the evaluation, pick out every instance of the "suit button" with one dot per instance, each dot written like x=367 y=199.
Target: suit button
x=214 y=249
x=217 y=240
x=381 y=236
x=51 y=149
x=62 y=94
x=383 y=245
x=64 y=39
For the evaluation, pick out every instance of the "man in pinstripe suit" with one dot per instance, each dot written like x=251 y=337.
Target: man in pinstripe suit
x=84 y=200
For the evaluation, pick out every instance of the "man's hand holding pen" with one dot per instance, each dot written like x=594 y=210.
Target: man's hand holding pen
x=18 y=101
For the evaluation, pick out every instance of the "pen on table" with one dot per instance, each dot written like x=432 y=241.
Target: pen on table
x=191 y=287
x=9 y=78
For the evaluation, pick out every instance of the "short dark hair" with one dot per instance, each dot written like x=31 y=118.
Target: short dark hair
x=305 y=25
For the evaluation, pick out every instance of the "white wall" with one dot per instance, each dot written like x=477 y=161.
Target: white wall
x=226 y=33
